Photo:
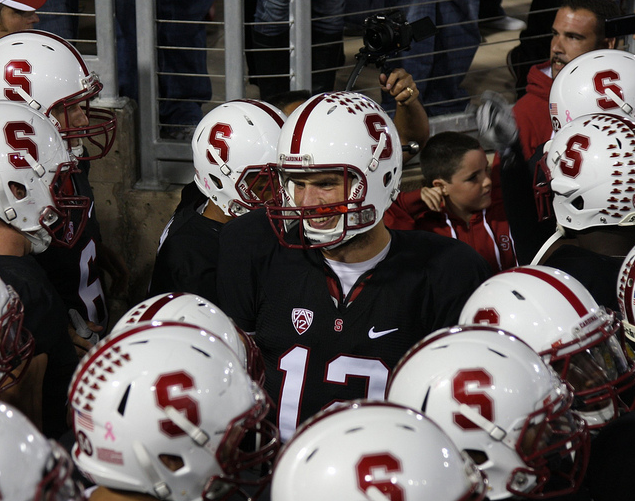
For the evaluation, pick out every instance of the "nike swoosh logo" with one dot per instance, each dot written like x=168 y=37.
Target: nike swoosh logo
x=373 y=334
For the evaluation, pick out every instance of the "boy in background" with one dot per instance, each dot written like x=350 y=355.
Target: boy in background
x=456 y=200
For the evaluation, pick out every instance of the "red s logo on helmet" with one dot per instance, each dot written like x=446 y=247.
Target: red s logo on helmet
x=571 y=160
x=604 y=80
x=14 y=72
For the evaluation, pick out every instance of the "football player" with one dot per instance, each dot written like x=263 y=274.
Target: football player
x=374 y=450
x=502 y=404
x=164 y=410
x=33 y=468
x=196 y=310
x=589 y=180
x=231 y=147
x=333 y=296
x=38 y=206
x=553 y=313
x=16 y=343
x=48 y=73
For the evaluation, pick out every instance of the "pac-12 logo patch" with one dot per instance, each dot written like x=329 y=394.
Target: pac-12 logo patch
x=302 y=319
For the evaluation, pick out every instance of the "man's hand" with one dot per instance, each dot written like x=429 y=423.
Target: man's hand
x=495 y=121
x=82 y=345
x=400 y=84
x=410 y=117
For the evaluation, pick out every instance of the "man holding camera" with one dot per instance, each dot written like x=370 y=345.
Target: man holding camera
x=438 y=64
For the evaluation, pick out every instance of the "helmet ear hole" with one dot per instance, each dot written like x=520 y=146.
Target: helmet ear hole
x=217 y=182
x=478 y=456
x=387 y=179
x=172 y=462
x=18 y=190
x=578 y=203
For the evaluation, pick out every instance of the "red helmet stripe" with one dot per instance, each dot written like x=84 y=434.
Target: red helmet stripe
x=152 y=310
x=104 y=345
x=277 y=118
x=301 y=123
x=562 y=288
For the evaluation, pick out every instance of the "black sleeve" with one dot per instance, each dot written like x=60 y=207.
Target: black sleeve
x=245 y=243
x=183 y=266
x=517 y=181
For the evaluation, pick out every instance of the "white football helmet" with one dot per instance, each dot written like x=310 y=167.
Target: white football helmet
x=193 y=309
x=500 y=402
x=557 y=316
x=34 y=157
x=16 y=342
x=349 y=134
x=590 y=167
x=46 y=71
x=162 y=407
x=626 y=294
x=600 y=81
x=232 y=146
x=348 y=451
x=32 y=468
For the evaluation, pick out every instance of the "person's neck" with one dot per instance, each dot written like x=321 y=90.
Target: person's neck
x=104 y=494
x=615 y=242
x=361 y=247
x=12 y=242
x=462 y=214
x=214 y=212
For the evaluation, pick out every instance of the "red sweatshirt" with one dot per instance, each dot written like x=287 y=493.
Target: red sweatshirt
x=532 y=110
x=488 y=230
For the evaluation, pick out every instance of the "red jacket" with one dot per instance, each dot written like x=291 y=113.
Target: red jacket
x=532 y=110
x=488 y=231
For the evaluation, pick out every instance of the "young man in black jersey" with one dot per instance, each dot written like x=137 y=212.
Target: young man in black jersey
x=333 y=297
x=47 y=72
x=231 y=146
x=38 y=207
x=590 y=190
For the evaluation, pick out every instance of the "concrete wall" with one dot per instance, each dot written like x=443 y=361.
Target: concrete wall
x=131 y=220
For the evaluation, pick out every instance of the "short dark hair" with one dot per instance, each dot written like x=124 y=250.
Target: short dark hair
x=603 y=9
x=284 y=99
x=442 y=155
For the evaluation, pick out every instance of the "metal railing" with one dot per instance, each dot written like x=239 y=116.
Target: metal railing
x=163 y=161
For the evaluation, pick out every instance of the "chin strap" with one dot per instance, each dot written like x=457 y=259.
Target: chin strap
x=35 y=165
x=374 y=494
x=627 y=108
x=224 y=168
x=27 y=99
x=200 y=437
x=494 y=431
x=160 y=487
x=374 y=162
x=547 y=245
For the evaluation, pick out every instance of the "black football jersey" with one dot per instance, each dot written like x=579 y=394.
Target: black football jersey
x=597 y=272
x=46 y=318
x=188 y=253
x=74 y=272
x=319 y=350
